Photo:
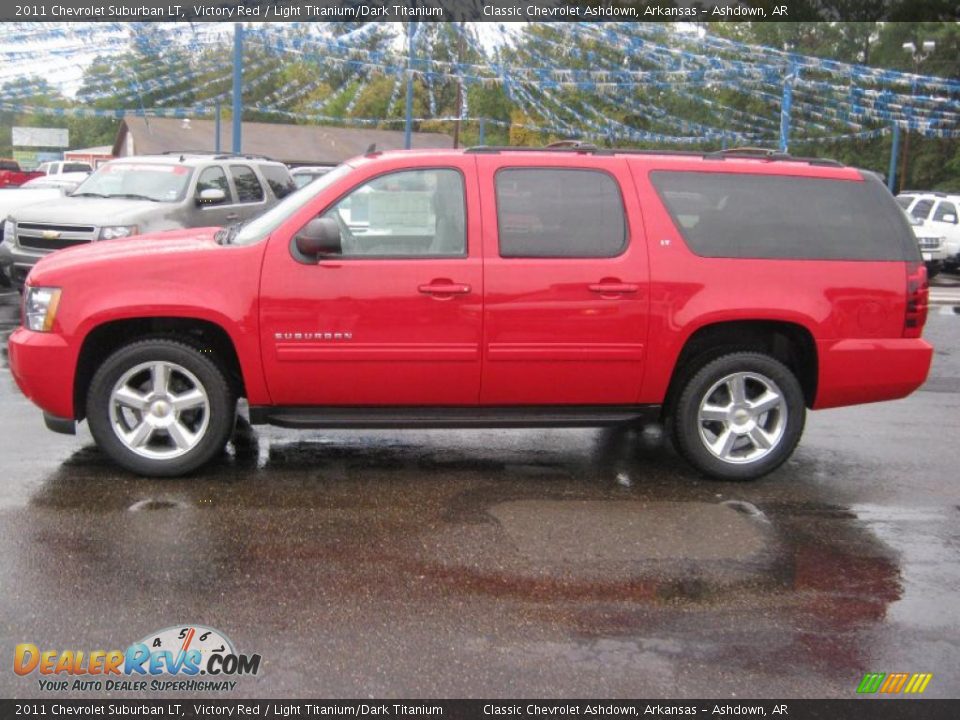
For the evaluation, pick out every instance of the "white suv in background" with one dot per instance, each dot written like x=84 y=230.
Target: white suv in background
x=940 y=214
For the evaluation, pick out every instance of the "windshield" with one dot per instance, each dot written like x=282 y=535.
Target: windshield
x=137 y=181
x=260 y=227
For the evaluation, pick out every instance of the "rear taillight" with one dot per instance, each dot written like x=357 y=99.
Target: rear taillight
x=918 y=293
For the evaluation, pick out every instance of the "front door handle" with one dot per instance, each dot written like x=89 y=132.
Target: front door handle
x=613 y=288
x=444 y=287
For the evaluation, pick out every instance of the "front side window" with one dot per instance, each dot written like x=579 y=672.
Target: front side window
x=248 y=187
x=559 y=213
x=944 y=210
x=922 y=209
x=213 y=178
x=412 y=213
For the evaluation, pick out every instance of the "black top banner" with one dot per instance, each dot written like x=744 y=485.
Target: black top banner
x=477 y=10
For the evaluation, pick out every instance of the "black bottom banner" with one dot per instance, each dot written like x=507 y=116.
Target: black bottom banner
x=867 y=709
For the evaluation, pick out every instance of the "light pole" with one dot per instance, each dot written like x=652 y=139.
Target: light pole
x=919 y=54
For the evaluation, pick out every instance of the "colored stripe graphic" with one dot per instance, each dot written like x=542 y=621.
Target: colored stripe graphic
x=871 y=682
x=893 y=683
x=918 y=683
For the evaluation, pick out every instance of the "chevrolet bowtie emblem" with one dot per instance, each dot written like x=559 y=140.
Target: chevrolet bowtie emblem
x=51 y=235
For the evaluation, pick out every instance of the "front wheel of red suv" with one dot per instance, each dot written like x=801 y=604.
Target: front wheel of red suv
x=739 y=416
x=160 y=408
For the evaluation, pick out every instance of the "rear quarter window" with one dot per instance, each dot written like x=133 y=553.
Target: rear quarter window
x=279 y=180
x=783 y=217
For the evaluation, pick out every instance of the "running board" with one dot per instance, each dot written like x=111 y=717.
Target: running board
x=453 y=417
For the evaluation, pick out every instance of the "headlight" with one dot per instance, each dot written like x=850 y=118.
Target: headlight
x=40 y=307
x=9 y=227
x=117 y=231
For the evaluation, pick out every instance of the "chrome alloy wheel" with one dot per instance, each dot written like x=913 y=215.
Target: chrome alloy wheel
x=742 y=417
x=159 y=410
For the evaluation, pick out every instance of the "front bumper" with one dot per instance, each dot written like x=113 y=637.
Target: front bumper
x=16 y=263
x=870 y=370
x=43 y=365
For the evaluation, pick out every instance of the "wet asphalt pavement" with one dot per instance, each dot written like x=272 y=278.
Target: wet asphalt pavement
x=561 y=563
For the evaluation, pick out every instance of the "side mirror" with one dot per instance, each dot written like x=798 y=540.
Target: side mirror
x=320 y=236
x=211 y=196
x=952 y=219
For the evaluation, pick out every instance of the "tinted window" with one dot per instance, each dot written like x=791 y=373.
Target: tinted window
x=213 y=178
x=76 y=167
x=944 y=209
x=904 y=201
x=9 y=165
x=248 y=187
x=764 y=216
x=279 y=180
x=413 y=213
x=922 y=209
x=559 y=213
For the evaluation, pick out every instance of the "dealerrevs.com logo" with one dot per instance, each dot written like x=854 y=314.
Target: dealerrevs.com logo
x=187 y=658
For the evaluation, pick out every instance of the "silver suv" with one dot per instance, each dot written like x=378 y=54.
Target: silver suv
x=143 y=194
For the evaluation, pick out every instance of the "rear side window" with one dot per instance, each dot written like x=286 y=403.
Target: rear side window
x=279 y=180
x=248 y=187
x=563 y=213
x=780 y=217
x=922 y=209
x=76 y=167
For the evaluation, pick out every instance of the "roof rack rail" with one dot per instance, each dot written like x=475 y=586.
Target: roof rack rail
x=935 y=193
x=553 y=147
x=216 y=155
x=570 y=145
x=768 y=154
x=576 y=146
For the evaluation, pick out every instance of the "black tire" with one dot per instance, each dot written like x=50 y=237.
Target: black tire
x=220 y=410
x=686 y=429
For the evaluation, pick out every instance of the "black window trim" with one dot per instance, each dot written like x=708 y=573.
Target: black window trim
x=298 y=256
x=627 y=235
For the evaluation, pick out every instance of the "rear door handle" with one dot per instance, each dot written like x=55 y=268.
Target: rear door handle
x=613 y=288
x=444 y=288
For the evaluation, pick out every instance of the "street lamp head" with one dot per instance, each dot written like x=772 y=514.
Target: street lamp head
x=909 y=47
x=929 y=46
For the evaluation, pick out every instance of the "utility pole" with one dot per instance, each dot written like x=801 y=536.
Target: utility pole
x=786 y=104
x=919 y=54
x=894 y=149
x=408 y=121
x=237 y=86
x=456 y=126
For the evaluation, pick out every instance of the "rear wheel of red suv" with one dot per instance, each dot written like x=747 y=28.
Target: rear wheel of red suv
x=160 y=408
x=739 y=416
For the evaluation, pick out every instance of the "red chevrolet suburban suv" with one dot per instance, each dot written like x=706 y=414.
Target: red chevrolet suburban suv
x=718 y=293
